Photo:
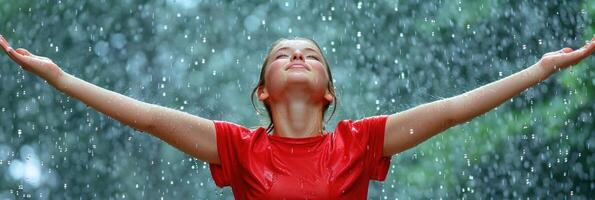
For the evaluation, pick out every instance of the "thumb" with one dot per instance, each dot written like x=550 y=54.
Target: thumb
x=24 y=52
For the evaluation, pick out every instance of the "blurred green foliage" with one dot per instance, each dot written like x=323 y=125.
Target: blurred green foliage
x=203 y=57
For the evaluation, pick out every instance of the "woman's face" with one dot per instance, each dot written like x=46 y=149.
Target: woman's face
x=296 y=64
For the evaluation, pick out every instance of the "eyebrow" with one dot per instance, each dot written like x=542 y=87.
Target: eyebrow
x=305 y=49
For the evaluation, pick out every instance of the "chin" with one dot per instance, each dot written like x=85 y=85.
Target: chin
x=298 y=78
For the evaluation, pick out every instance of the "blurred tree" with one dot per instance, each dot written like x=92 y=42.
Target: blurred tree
x=204 y=58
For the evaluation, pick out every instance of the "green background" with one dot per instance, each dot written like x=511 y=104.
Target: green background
x=203 y=57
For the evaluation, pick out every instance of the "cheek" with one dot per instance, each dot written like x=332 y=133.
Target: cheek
x=273 y=73
x=320 y=72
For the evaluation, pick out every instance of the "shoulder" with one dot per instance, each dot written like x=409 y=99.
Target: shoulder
x=363 y=123
x=233 y=130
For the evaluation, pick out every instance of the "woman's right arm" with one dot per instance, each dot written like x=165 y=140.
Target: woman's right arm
x=191 y=134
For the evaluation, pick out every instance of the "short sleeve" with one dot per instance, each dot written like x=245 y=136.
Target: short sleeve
x=374 y=127
x=228 y=135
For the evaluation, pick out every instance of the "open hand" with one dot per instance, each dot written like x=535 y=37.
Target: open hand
x=566 y=57
x=41 y=66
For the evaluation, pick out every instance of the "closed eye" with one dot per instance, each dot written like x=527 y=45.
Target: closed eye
x=281 y=56
x=313 y=57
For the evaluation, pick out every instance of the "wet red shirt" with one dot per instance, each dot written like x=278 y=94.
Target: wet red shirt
x=335 y=165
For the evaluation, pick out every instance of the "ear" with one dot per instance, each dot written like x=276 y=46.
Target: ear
x=262 y=93
x=328 y=96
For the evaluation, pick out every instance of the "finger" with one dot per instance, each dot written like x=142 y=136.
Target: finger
x=574 y=57
x=13 y=55
x=26 y=61
x=5 y=46
x=18 y=58
x=24 y=52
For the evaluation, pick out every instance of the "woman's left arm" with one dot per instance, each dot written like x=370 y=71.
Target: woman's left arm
x=408 y=128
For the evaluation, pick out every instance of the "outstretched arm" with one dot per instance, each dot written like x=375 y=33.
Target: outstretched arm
x=408 y=128
x=191 y=134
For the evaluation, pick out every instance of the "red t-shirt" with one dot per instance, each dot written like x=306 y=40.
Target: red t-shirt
x=334 y=165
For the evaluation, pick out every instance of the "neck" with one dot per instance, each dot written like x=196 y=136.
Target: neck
x=297 y=116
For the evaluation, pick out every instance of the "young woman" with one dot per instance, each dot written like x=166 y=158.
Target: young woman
x=294 y=157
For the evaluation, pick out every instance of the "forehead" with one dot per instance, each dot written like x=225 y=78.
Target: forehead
x=295 y=44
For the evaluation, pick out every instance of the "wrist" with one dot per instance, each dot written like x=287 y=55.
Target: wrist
x=541 y=71
x=59 y=80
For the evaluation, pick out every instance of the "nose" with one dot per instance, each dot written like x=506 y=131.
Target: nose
x=297 y=55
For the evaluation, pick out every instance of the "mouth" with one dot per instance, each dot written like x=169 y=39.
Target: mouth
x=297 y=66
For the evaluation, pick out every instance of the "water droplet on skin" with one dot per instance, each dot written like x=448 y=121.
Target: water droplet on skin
x=411 y=131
